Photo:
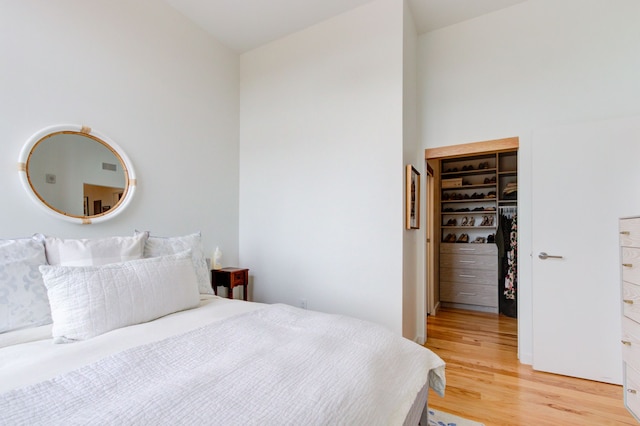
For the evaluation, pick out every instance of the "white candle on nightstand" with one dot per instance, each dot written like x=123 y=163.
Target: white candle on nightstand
x=217 y=258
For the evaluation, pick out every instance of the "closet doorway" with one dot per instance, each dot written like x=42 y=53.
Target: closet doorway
x=473 y=234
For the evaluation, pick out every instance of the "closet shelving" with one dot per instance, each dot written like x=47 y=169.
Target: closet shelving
x=507 y=178
x=469 y=210
x=473 y=191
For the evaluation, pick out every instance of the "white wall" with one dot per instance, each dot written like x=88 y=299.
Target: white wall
x=536 y=64
x=144 y=75
x=413 y=269
x=321 y=172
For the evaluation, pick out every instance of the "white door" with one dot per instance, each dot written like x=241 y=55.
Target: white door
x=584 y=177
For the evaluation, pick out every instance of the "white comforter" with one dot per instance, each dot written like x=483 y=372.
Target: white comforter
x=273 y=365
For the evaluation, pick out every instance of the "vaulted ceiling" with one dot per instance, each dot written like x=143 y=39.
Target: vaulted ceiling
x=243 y=25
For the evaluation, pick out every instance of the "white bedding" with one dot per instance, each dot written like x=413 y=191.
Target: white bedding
x=252 y=364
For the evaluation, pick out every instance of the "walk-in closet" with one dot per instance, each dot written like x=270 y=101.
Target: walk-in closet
x=474 y=241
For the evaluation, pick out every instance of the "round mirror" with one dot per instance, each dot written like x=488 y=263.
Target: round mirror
x=77 y=174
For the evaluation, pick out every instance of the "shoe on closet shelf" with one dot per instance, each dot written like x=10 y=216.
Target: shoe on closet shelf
x=464 y=238
x=490 y=221
x=452 y=222
x=485 y=221
x=491 y=238
x=465 y=221
x=472 y=221
x=479 y=240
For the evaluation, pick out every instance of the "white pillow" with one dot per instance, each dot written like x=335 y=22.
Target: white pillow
x=92 y=251
x=161 y=246
x=23 y=296
x=87 y=301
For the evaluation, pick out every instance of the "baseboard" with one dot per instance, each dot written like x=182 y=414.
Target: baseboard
x=436 y=308
x=525 y=358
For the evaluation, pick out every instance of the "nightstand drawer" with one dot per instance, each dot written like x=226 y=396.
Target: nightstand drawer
x=237 y=278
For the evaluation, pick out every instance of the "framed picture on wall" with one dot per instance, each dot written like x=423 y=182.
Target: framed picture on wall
x=412 y=198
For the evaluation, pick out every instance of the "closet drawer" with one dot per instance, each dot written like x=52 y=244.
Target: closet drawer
x=630 y=342
x=631 y=301
x=631 y=265
x=468 y=261
x=471 y=294
x=632 y=389
x=630 y=232
x=471 y=276
x=485 y=249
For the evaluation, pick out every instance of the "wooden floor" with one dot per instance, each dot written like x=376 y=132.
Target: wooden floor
x=486 y=382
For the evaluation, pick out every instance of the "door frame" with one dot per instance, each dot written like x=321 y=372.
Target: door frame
x=432 y=158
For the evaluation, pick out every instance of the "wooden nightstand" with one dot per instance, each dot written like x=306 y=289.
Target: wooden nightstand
x=230 y=278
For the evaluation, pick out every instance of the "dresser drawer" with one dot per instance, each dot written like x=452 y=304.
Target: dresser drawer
x=471 y=276
x=631 y=265
x=484 y=249
x=632 y=389
x=631 y=301
x=630 y=232
x=630 y=342
x=468 y=261
x=471 y=294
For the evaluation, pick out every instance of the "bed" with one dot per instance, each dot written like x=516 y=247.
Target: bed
x=210 y=360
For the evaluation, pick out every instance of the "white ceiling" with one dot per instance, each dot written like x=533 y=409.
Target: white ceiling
x=246 y=24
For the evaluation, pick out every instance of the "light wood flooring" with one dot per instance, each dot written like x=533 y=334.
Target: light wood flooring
x=487 y=383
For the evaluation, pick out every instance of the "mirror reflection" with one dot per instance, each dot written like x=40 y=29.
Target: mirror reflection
x=76 y=174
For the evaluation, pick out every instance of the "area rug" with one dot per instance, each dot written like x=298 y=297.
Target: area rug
x=440 y=418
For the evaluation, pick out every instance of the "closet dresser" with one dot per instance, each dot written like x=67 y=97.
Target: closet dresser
x=630 y=259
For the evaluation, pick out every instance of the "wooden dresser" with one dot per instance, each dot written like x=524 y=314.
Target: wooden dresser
x=469 y=276
x=630 y=259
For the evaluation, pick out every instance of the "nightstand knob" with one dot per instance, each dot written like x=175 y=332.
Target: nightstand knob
x=625 y=232
x=626 y=342
x=633 y=391
x=627 y=265
x=627 y=301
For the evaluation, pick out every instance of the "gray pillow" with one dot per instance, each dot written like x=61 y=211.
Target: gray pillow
x=162 y=246
x=23 y=296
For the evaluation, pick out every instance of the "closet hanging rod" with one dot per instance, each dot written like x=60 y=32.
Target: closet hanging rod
x=508 y=210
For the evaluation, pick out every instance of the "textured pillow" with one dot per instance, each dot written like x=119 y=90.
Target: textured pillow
x=161 y=246
x=92 y=252
x=87 y=301
x=23 y=296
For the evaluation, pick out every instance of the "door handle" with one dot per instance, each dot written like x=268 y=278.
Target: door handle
x=544 y=256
